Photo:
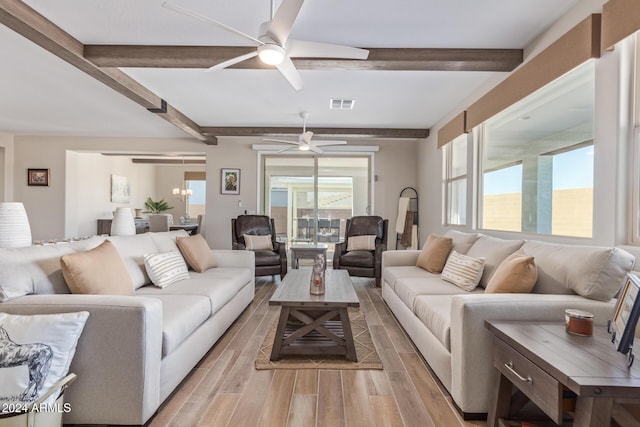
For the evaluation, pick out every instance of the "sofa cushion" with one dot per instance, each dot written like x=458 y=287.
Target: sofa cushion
x=434 y=253
x=435 y=312
x=495 y=251
x=590 y=271
x=181 y=315
x=99 y=271
x=462 y=241
x=165 y=241
x=132 y=250
x=393 y=273
x=196 y=252
x=36 y=269
x=357 y=259
x=463 y=271
x=220 y=285
x=517 y=274
x=408 y=289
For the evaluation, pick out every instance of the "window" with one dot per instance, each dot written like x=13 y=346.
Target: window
x=455 y=181
x=196 y=202
x=537 y=161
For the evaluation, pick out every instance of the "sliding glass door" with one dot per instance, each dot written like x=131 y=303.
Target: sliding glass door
x=310 y=198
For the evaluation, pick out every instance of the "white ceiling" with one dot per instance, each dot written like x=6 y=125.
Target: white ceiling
x=41 y=94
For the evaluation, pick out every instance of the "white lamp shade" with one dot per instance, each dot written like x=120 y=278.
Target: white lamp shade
x=15 y=231
x=123 y=223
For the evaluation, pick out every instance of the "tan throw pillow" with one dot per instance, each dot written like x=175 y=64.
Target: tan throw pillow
x=255 y=243
x=463 y=271
x=99 y=271
x=517 y=274
x=196 y=252
x=434 y=253
x=362 y=243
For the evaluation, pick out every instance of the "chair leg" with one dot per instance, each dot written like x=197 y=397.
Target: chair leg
x=377 y=282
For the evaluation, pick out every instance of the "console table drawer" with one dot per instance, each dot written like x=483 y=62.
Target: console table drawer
x=535 y=383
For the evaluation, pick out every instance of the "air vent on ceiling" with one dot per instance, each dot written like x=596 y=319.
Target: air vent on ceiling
x=341 y=104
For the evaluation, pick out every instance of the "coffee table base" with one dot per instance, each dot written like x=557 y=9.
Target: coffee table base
x=323 y=332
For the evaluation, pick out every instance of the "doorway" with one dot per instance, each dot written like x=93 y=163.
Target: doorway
x=311 y=197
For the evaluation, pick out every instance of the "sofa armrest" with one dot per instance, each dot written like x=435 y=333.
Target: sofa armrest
x=118 y=356
x=399 y=258
x=231 y=258
x=472 y=344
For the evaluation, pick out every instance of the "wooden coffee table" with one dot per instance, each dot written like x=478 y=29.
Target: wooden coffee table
x=314 y=324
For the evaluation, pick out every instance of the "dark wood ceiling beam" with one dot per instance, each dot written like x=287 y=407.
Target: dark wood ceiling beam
x=420 y=59
x=318 y=131
x=168 y=161
x=30 y=24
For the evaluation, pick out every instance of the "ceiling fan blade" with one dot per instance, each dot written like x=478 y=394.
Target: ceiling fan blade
x=286 y=149
x=280 y=26
x=281 y=140
x=324 y=143
x=315 y=149
x=232 y=61
x=290 y=73
x=305 y=49
x=208 y=20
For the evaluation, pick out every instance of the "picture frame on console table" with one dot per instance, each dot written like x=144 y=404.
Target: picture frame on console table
x=230 y=183
x=625 y=316
x=38 y=177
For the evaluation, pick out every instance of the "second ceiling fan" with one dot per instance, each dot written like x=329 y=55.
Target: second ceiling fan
x=274 y=47
x=305 y=142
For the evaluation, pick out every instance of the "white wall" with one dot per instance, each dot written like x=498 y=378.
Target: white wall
x=55 y=211
x=611 y=143
x=6 y=168
x=394 y=165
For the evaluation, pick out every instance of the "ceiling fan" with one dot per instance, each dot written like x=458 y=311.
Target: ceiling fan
x=304 y=142
x=273 y=44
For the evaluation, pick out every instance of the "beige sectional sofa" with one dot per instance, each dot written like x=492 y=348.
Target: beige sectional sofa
x=134 y=350
x=447 y=324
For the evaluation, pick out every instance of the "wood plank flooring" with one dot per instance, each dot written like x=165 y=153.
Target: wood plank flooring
x=226 y=390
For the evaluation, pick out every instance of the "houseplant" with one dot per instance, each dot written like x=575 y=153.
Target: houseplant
x=156 y=207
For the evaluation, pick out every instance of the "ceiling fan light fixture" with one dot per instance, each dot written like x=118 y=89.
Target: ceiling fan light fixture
x=271 y=54
x=304 y=148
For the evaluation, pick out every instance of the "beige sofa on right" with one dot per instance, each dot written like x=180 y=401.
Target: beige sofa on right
x=447 y=324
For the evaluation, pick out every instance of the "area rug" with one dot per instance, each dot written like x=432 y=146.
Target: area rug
x=365 y=350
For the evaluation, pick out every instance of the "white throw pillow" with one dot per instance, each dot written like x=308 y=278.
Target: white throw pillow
x=463 y=271
x=362 y=243
x=38 y=346
x=165 y=268
x=256 y=243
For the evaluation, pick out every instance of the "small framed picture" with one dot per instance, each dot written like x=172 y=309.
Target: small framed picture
x=38 y=177
x=230 y=181
x=625 y=315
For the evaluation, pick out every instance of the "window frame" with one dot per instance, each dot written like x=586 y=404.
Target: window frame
x=448 y=180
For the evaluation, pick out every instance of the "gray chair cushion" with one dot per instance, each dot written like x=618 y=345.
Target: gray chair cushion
x=358 y=259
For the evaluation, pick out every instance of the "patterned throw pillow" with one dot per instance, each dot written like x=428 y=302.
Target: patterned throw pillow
x=362 y=243
x=36 y=352
x=256 y=243
x=463 y=271
x=165 y=268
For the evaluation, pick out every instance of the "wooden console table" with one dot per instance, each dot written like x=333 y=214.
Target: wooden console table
x=307 y=252
x=542 y=359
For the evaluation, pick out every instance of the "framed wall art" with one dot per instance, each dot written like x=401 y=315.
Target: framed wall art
x=119 y=189
x=625 y=316
x=230 y=181
x=38 y=177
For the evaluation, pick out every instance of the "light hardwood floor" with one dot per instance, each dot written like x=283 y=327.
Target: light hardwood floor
x=226 y=390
